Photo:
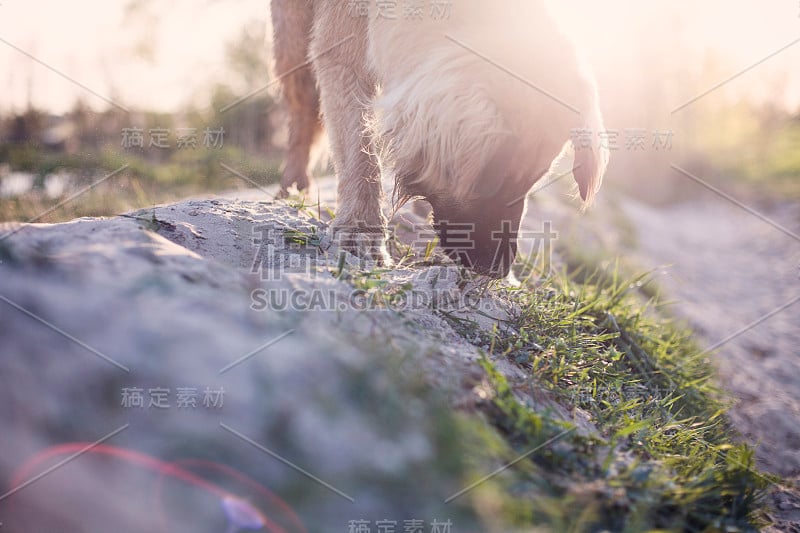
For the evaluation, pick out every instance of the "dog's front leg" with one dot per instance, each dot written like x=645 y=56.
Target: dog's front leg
x=347 y=89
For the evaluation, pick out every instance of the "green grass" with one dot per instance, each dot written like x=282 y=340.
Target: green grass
x=662 y=457
x=618 y=424
x=750 y=147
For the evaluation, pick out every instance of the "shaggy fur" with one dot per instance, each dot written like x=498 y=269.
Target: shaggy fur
x=468 y=112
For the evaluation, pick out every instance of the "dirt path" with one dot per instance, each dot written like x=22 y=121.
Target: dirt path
x=735 y=279
x=726 y=269
x=723 y=270
x=730 y=270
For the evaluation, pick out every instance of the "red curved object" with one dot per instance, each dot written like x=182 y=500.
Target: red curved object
x=235 y=506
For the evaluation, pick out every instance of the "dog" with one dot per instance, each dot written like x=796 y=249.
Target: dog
x=466 y=105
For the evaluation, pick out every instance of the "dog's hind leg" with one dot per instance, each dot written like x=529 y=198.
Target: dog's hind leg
x=292 y=22
x=339 y=49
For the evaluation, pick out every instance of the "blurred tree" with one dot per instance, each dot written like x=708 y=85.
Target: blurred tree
x=244 y=106
x=248 y=123
x=27 y=128
x=248 y=57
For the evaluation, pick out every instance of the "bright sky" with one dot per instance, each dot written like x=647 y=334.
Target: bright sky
x=92 y=42
x=617 y=35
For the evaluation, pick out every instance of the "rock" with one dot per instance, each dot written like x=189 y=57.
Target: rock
x=336 y=403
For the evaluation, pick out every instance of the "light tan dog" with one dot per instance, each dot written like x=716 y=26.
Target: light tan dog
x=467 y=105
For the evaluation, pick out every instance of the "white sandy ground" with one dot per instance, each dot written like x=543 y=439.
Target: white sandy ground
x=171 y=302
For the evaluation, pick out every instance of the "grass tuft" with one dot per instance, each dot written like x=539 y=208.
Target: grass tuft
x=654 y=450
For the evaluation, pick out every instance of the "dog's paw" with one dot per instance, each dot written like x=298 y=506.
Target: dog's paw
x=291 y=179
x=367 y=242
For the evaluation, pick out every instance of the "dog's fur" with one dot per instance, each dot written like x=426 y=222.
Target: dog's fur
x=467 y=112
